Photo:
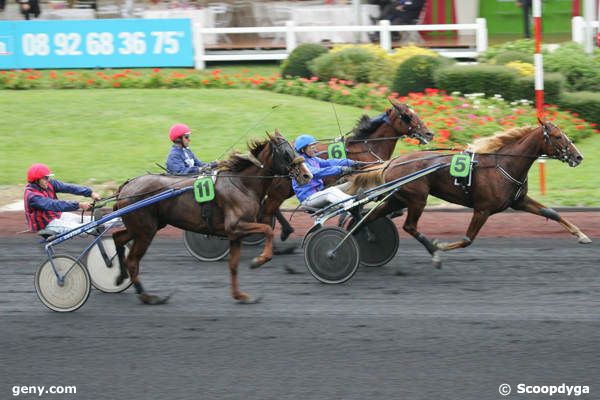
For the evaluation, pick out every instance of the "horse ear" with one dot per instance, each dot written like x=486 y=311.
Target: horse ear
x=269 y=135
x=541 y=119
x=403 y=108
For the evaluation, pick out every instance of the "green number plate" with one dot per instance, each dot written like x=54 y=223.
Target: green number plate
x=336 y=150
x=204 y=189
x=460 y=166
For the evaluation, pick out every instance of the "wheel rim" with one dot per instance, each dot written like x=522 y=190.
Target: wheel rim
x=327 y=267
x=104 y=277
x=379 y=244
x=204 y=247
x=72 y=294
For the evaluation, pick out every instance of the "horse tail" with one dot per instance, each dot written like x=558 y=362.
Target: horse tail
x=367 y=178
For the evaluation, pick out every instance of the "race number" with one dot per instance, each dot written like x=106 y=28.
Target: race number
x=460 y=165
x=336 y=150
x=204 y=189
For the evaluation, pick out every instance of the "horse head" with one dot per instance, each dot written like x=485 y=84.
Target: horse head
x=406 y=122
x=285 y=160
x=557 y=145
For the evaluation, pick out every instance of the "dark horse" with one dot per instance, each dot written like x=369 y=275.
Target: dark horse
x=371 y=141
x=499 y=181
x=241 y=184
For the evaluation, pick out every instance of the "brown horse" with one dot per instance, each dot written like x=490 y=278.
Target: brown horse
x=499 y=181
x=240 y=186
x=371 y=141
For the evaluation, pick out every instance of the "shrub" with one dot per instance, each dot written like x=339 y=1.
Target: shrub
x=553 y=86
x=353 y=63
x=586 y=104
x=524 y=69
x=416 y=74
x=581 y=71
x=487 y=79
x=512 y=55
x=297 y=62
x=526 y=46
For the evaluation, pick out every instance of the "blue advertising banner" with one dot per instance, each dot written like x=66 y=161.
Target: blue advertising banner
x=96 y=43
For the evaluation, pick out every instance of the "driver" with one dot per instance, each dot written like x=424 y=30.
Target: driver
x=43 y=210
x=314 y=194
x=181 y=160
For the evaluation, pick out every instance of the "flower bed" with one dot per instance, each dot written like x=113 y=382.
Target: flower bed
x=455 y=119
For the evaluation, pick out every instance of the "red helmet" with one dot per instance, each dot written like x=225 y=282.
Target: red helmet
x=37 y=171
x=178 y=130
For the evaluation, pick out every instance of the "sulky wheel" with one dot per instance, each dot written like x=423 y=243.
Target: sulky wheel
x=65 y=296
x=328 y=266
x=104 y=267
x=205 y=247
x=378 y=241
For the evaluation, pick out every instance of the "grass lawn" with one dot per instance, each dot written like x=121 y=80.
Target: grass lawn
x=99 y=136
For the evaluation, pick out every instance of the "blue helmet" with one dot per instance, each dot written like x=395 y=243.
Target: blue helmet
x=302 y=141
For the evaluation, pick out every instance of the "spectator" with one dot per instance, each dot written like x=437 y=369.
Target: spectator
x=403 y=12
x=526 y=6
x=29 y=7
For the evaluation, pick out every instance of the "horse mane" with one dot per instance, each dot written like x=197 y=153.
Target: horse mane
x=237 y=163
x=364 y=127
x=499 y=140
x=367 y=178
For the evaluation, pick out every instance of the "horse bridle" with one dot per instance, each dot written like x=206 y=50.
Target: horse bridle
x=408 y=120
x=293 y=172
x=562 y=153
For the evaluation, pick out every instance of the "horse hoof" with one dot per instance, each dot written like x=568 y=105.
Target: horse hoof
x=152 y=300
x=257 y=262
x=285 y=233
x=585 y=240
x=250 y=300
x=436 y=260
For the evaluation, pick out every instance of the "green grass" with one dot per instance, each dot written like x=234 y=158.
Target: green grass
x=97 y=136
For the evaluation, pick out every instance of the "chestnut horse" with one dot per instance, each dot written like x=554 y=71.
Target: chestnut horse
x=499 y=181
x=371 y=141
x=241 y=184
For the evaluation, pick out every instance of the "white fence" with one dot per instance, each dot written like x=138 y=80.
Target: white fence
x=579 y=29
x=290 y=30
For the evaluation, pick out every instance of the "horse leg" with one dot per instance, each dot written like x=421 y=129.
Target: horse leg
x=415 y=210
x=243 y=228
x=477 y=221
x=532 y=206
x=121 y=238
x=140 y=245
x=286 y=228
x=235 y=247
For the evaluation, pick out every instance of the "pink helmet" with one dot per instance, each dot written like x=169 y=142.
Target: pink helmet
x=178 y=130
x=37 y=171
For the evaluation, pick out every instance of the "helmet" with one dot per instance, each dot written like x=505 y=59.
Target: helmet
x=37 y=171
x=178 y=130
x=302 y=141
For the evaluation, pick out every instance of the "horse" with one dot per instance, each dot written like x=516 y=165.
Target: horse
x=370 y=142
x=241 y=183
x=499 y=181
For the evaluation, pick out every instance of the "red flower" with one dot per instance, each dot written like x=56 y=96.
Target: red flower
x=116 y=84
x=156 y=70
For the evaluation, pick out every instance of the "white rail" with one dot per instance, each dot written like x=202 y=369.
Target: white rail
x=290 y=30
x=579 y=29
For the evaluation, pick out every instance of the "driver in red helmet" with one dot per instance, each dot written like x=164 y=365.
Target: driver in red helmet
x=43 y=210
x=181 y=160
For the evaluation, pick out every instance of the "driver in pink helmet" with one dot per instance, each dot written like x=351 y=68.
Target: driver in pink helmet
x=181 y=160
x=43 y=210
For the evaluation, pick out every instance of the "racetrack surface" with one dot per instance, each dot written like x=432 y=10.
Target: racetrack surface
x=519 y=310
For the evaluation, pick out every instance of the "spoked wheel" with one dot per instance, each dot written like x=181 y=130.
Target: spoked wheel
x=104 y=267
x=378 y=241
x=65 y=296
x=256 y=238
x=205 y=247
x=328 y=266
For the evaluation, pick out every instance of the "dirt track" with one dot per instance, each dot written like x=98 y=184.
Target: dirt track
x=432 y=223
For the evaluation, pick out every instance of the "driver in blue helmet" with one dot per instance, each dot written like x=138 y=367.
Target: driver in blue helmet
x=314 y=194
